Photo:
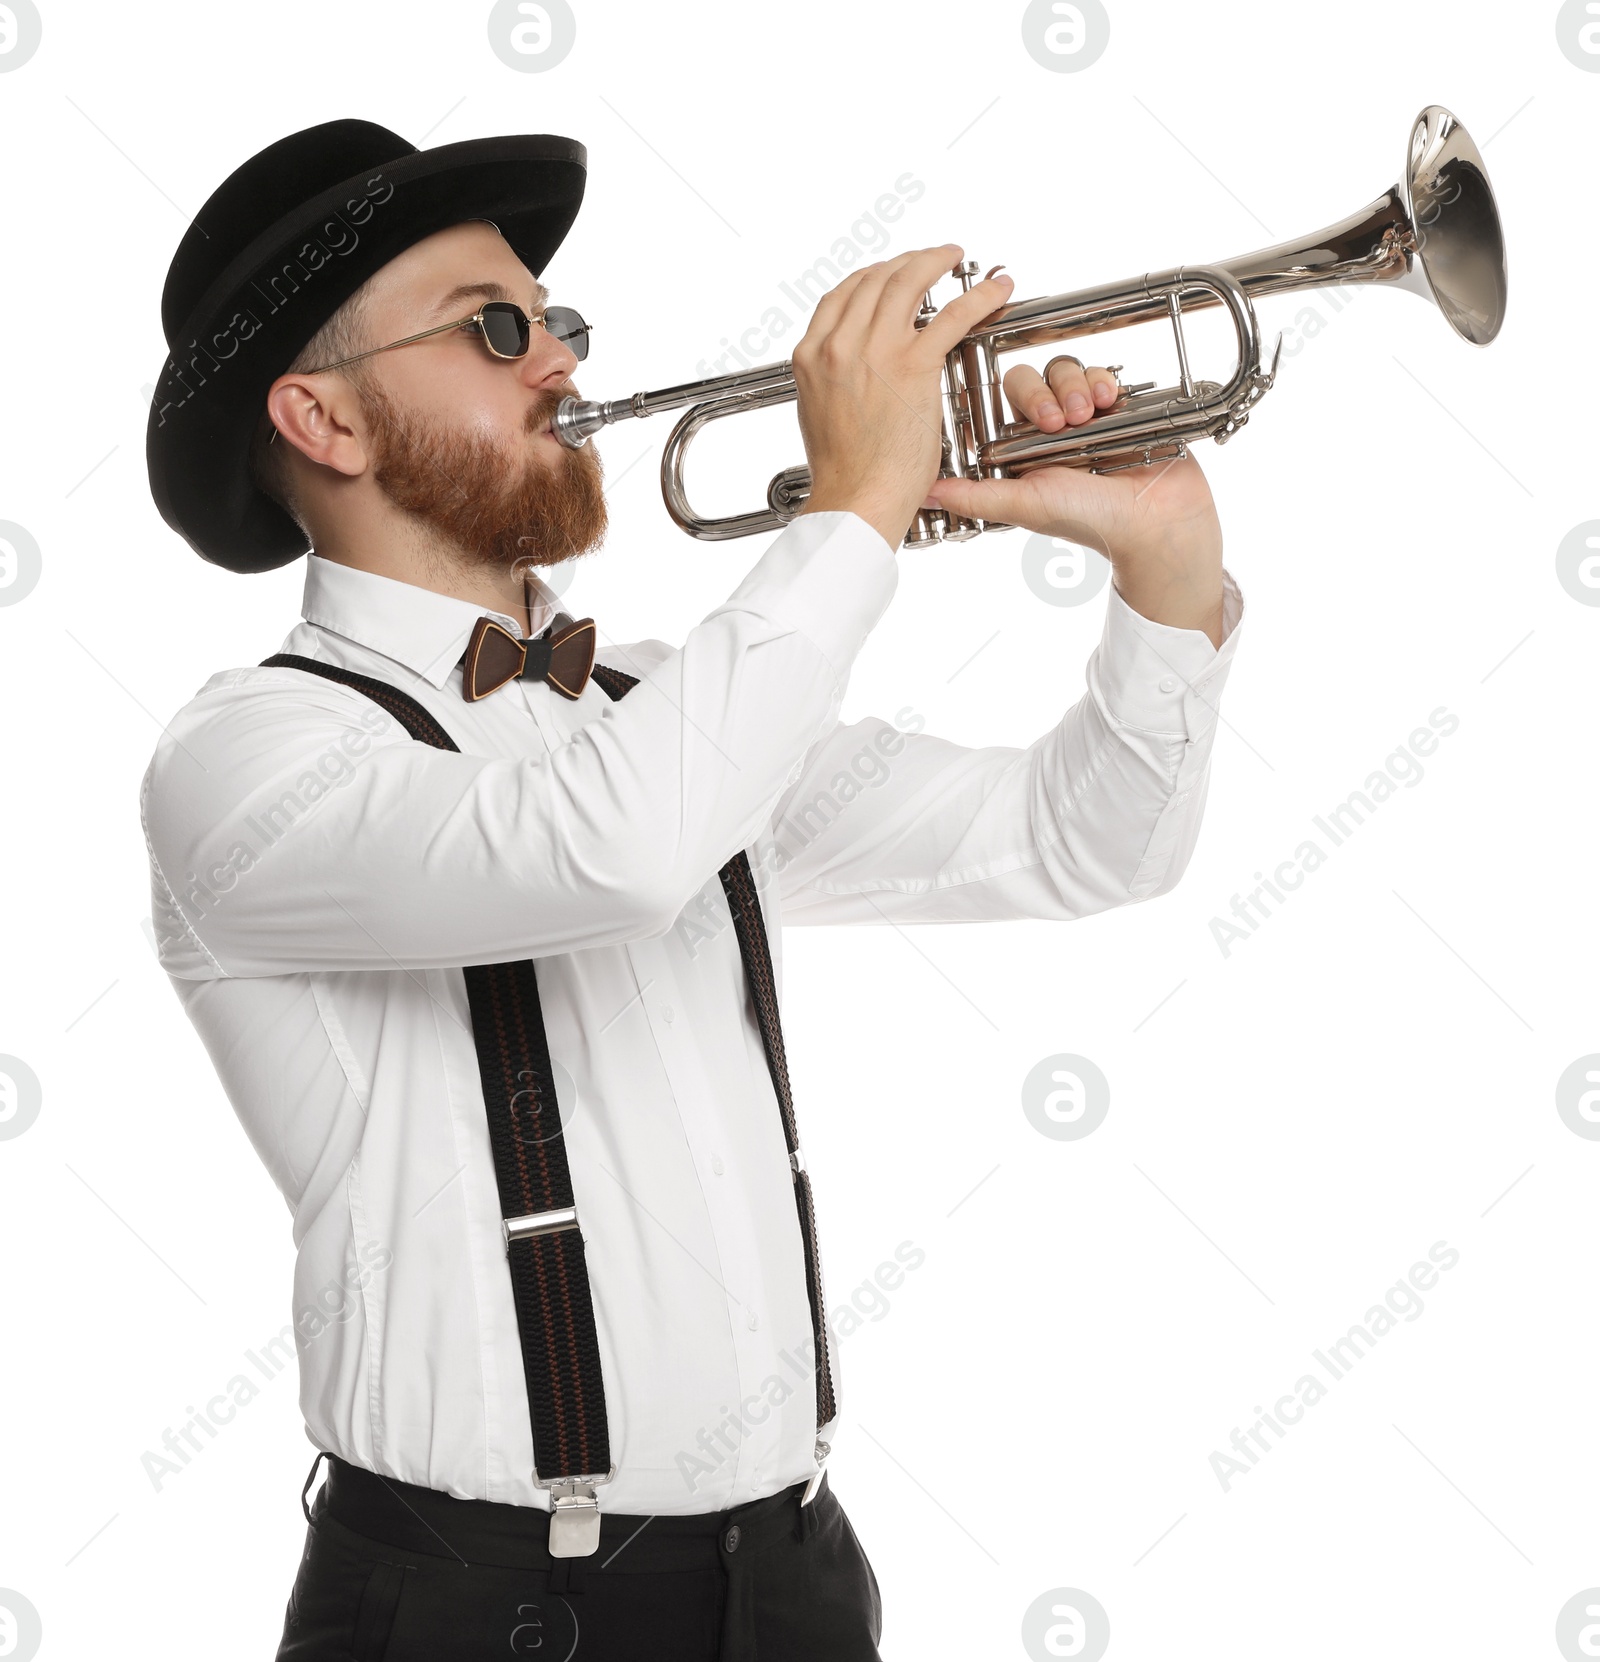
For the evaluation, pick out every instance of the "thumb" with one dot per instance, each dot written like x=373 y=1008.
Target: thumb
x=1053 y=501
x=997 y=499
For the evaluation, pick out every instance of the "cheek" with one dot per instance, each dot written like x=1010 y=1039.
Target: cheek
x=494 y=410
x=476 y=399
x=491 y=427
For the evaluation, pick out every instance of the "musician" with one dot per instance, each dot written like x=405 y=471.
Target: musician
x=595 y=1423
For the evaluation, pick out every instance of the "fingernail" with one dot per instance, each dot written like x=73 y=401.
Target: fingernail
x=1050 y=409
x=1078 y=406
x=1104 y=392
x=932 y=502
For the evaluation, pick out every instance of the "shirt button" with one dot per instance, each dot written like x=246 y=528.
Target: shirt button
x=753 y=1320
x=717 y=1165
x=731 y=1539
x=666 y=1012
x=1168 y=684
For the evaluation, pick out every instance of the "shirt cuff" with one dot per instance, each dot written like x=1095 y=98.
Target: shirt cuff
x=828 y=575
x=1161 y=679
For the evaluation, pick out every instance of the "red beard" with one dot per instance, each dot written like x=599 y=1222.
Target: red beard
x=499 y=514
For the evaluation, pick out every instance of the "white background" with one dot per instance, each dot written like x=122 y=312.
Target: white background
x=1291 y=1126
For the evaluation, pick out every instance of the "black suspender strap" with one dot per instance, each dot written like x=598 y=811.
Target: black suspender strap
x=544 y=1243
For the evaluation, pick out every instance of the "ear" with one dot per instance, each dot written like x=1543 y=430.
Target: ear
x=317 y=415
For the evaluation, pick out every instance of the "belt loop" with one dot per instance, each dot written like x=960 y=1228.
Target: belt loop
x=565 y=1577
x=310 y=1478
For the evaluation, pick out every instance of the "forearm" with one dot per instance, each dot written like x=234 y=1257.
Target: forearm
x=1101 y=810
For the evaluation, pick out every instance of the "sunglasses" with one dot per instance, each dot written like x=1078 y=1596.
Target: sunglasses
x=503 y=327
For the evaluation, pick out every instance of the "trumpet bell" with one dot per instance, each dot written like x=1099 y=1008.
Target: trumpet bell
x=1459 y=244
x=1436 y=233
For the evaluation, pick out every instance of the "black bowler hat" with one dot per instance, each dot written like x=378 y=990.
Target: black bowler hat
x=278 y=248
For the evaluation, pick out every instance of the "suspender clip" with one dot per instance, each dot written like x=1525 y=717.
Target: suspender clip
x=574 y=1513
x=574 y=1519
x=823 y=1451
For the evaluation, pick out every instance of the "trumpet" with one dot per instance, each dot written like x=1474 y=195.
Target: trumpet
x=1436 y=233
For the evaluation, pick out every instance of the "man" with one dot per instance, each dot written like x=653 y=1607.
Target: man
x=439 y=888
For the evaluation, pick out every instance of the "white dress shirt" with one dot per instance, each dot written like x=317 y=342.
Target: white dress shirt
x=319 y=880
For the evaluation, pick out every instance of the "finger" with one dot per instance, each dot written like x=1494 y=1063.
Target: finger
x=858 y=294
x=861 y=301
x=827 y=321
x=1070 y=385
x=861 y=293
x=1032 y=399
x=1104 y=388
x=830 y=308
x=965 y=312
x=910 y=277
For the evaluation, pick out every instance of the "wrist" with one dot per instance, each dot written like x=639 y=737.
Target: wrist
x=1180 y=597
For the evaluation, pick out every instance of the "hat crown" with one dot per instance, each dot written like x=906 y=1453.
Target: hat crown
x=270 y=185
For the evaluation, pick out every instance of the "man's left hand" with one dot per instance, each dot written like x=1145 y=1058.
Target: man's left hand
x=1157 y=525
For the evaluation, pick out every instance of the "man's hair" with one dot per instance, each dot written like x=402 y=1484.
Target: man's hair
x=341 y=336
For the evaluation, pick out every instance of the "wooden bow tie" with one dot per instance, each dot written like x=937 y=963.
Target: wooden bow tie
x=563 y=655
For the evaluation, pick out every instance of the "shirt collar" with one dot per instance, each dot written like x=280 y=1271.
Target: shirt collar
x=417 y=627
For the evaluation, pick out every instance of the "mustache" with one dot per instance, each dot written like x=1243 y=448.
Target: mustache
x=543 y=408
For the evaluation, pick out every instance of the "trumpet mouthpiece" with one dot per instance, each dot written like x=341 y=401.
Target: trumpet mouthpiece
x=576 y=418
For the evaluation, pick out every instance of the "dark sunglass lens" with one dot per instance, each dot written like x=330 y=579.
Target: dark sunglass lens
x=505 y=329
x=568 y=328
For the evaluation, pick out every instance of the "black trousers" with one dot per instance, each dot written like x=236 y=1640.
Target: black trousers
x=393 y=1572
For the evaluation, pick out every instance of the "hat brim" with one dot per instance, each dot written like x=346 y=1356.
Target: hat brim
x=269 y=301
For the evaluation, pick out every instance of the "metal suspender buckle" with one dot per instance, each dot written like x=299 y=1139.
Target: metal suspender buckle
x=538 y=1223
x=574 y=1513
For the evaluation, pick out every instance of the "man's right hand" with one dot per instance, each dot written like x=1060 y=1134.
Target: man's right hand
x=869 y=386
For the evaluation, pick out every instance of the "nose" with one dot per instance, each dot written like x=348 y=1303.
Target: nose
x=547 y=362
